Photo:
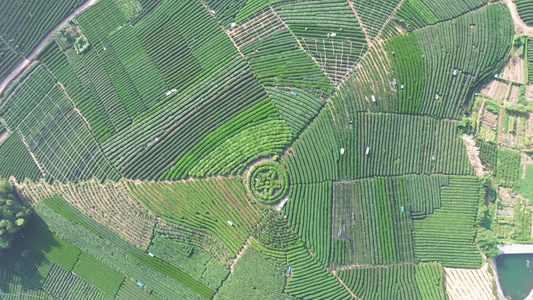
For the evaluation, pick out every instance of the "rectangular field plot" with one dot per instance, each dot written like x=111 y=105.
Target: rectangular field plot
x=401 y=281
x=98 y=274
x=392 y=144
x=64 y=284
x=371 y=223
x=448 y=234
x=405 y=219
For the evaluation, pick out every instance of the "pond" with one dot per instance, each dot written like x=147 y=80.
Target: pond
x=516 y=274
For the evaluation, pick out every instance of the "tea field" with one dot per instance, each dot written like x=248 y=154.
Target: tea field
x=255 y=149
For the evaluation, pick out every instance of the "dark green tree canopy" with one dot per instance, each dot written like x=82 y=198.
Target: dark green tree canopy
x=13 y=216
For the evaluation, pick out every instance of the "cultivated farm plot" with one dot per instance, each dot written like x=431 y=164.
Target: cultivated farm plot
x=141 y=136
x=53 y=131
x=64 y=284
x=524 y=10
x=99 y=19
x=372 y=220
x=514 y=70
x=393 y=144
x=15 y=160
x=497 y=90
x=468 y=283
x=260 y=26
x=369 y=87
x=23 y=25
x=402 y=281
x=217 y=200
x=335 y=46
x=490 y=119
x=432 y=85
x=108 y=203
x=374 y=14
x=13 y=286
x=255 y=276
x=447 y=235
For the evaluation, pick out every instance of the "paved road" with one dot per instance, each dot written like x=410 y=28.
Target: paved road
x=24 y=63
x=515 y=249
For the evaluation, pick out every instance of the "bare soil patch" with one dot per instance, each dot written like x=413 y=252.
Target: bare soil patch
x=505 y=196
x=497 y=90
x=513 y=95
x=473 y=155
x=489 y=119
x=514 y=69
x=529 y=92
x=468 y=283
x=3 y=136
x=524 y=161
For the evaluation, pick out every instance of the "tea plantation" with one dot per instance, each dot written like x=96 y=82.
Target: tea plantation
x=248 y=149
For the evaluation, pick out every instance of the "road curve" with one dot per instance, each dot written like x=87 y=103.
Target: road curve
x=519 y=25
x=24 y=63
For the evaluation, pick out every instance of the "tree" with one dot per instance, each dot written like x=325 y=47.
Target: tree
x=488 y=242
x=465 y=126
x=13 y=216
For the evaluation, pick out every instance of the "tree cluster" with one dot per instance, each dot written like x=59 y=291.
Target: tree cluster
x=13 y=216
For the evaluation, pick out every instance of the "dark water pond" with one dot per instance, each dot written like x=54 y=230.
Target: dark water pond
x=516 y=274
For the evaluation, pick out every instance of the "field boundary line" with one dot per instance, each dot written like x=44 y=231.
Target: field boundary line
x=232 y=262
x=388 y=19
x=367 y=38
x=301 y=47
x=41 y=168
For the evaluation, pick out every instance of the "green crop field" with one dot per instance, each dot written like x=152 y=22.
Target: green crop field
x=261 y=149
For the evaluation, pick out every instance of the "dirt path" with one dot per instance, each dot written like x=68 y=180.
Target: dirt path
x=519 y=25
x=368 y=40
x=233 y=261
x=22 y=65
x=473 y=155
x=378 y=36
x=343 y=284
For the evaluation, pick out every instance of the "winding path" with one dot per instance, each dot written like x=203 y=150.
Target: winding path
x=519 y=25
x=24 y=63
